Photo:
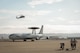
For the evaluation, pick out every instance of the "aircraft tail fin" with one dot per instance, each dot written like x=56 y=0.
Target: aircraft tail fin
x=41 y=30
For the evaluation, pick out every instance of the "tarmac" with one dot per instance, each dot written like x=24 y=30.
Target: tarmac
x=38 y=46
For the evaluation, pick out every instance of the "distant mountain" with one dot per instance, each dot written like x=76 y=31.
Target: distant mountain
x=4 y=36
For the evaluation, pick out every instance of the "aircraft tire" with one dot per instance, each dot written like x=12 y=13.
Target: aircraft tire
x=13 y=40
x=24 y=40
x=47 y=37
x=32 y=40
x=37 y=38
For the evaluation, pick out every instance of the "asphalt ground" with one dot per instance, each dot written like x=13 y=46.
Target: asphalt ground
x=38 y=46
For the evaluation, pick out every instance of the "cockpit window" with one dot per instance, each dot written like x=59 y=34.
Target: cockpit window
x=12 y=34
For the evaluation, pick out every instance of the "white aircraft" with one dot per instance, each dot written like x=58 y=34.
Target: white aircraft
x=25 y=37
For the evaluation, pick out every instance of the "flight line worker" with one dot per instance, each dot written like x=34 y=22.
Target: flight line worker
x=73 y=43
x=62 y=45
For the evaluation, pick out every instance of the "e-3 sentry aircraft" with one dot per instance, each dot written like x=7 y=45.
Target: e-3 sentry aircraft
x=25 y=37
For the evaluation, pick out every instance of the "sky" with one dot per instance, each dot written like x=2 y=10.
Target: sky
x=57 y=16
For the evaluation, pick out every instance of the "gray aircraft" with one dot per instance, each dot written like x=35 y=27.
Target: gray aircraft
x=25 y=37
x=20 y=16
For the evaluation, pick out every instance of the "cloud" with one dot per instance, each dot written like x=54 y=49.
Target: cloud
x=61 y=18
x=77 y=11
x=8 y=11
x=62 y=28
x=59 y=10
x=26 y=12
x=47 y=29
x=33 y=3
x=8 y=17
x=56 y=20
x=76 y=22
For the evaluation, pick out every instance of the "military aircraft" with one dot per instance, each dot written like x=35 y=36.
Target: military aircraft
x=20 y=16
x=25 y=37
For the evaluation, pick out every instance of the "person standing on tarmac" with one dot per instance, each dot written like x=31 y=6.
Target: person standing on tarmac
x=73 y=43
x=62 y=46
